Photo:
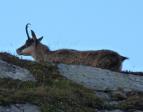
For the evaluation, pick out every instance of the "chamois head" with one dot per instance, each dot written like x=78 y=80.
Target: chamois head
x=30 y=44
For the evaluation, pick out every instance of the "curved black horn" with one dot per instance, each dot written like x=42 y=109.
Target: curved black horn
x=26 y=28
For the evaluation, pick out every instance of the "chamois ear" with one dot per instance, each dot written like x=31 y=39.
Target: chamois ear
x=33 y=35
x=40 y=39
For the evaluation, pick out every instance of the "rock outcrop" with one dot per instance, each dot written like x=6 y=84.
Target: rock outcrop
x=101 y=80
x=20 y=108
x=14 y=72
x=90 y=77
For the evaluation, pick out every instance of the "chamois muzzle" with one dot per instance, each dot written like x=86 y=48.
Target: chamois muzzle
x=24 y=50
x=19 y=52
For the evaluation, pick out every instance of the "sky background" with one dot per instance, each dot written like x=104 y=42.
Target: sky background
x=76 y=24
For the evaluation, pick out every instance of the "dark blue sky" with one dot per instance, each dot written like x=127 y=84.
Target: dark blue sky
x=77 y=24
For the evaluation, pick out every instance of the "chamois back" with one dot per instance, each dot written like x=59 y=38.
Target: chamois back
x=105 y=59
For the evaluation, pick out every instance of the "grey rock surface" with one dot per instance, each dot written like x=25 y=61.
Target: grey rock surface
x=110 y=110
x=15 y=72
x=20 y=108
x=100 y=79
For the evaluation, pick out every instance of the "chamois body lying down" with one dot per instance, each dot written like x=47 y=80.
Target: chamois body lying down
x=105 y=59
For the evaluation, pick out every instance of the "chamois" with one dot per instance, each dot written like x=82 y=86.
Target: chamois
x=105 y=59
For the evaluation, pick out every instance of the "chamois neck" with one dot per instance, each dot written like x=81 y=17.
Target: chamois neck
x=40 y=51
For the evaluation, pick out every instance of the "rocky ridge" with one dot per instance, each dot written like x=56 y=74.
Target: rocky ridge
x=66 y=88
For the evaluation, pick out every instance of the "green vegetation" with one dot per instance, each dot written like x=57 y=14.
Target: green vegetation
x=134 y=101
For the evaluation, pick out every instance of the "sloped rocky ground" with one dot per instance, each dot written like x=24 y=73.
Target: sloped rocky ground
x=47 y=90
